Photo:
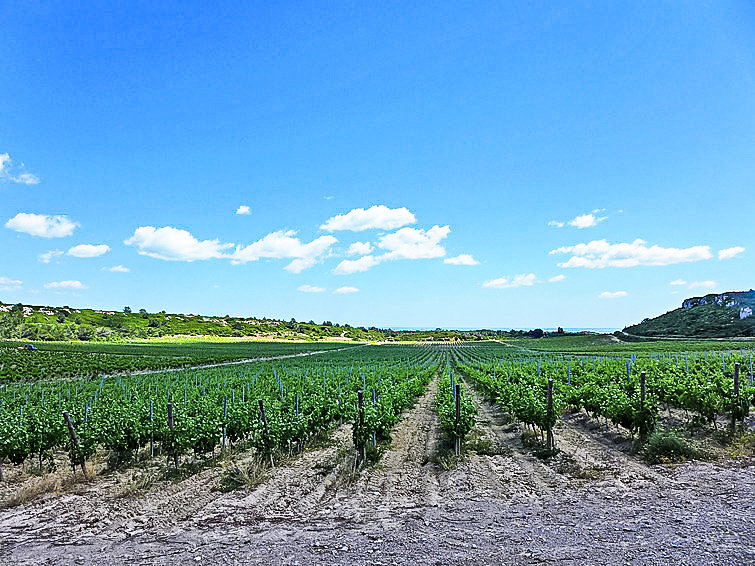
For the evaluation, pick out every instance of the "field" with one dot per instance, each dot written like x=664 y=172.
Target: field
x=378 y=454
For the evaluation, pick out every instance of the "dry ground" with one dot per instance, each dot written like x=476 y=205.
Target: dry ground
x=595 y=503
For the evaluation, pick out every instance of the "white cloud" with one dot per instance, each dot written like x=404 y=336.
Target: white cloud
x=344 y=290
x=89 y=250
x=601 y=253
x=349 y=266
x=8 y=284
x=557 y=278
x=171 y=244
x=42 y=225
x=48 y=256
x=461 y=259
x=507 y=283
x=311 y=289
x=117 y=269
x=613 y=294
x=7 y=175
x=414 y=243
x=65 y=285
x=359 y=248
x=729 y=253
x=243 y=209
x=702 y=284
x=677 y=282
x=586 y=221
x=284 y=244
x=376 y=217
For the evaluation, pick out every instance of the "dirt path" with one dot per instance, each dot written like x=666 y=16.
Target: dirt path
x=501 y=505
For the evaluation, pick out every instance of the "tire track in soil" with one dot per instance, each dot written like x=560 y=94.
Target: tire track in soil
x=295 y=490
x=511 y=474
x=595 y=456
x=405 y=478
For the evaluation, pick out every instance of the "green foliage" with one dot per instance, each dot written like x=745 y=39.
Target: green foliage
x=445 y=404
x=665 y=447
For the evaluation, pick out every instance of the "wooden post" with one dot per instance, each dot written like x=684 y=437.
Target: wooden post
x=151 y=432
x=457 y=395
x=171 y=427
x=225 y=415
x=362 y=448
x=549 y=438
x=263 y=417
x=374 y=434
x=736 y=403
x=74 y=438
x=642 y=388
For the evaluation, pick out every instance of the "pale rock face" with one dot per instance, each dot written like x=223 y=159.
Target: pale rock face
x=745 y=312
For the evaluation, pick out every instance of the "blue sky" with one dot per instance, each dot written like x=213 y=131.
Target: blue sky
x=452 y=164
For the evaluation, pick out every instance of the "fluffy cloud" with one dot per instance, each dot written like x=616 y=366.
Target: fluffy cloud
x=461 y=259
x=171 y=244
x=612 y=294
x=8 y=284
x=414 y=243
x=376 y=217
x=6 y=173
x=601 y=253
x=508 y=283
x=677 y=282
x=345 y=290
x=557 y=278
x=48 y=256
x=243 y=209
x=702 y=284
x=349 y=266
x=359 y=248
x=729 y=253
x=311 y=289
x=587 y=220
x=284 y=244
x=65 y=285
x=42 y=225
x=117 y=269
x=89 y=250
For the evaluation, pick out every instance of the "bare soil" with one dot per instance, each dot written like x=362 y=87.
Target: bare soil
x=593 y=503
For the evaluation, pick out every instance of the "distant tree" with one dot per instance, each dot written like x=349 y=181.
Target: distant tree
x=61 y=317
x=127 y=310
x=153 y=323
x=560 y=330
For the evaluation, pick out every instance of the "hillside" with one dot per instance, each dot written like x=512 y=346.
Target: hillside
x=34 y=322
x=721 y=315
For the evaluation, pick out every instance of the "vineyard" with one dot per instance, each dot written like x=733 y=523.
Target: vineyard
x=353 y=428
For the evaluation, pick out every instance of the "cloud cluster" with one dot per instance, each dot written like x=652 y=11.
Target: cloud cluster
x=172 y=244
x=527 y=280
x=311 y=289
x=243 y=209
x=406 y=243
x=76 y=285
x=378 y=217
x=557 y=278
x=587 y=220
x=42 y=225
x=48 y=256
x=708 y=284
x=89 y=250
x=729 y=253
x=601 y=253
x=7 y=172
x=117 y=269
x=461 y=259
x=8 y=284
x=613 y=294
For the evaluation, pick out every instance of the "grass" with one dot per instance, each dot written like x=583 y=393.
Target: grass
x=667 y=447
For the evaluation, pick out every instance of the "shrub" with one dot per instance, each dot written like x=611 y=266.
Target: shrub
x=665 y=446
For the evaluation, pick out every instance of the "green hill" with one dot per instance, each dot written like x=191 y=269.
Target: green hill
x=723 y=315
